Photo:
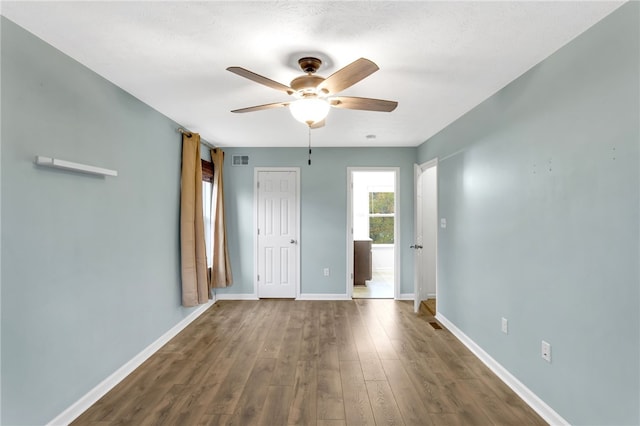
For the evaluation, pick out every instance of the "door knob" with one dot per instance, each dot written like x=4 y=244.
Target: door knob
x=293 y=241
x=417 y=246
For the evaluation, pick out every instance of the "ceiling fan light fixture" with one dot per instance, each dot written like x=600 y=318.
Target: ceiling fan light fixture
x=317 y=94
x=309 y=110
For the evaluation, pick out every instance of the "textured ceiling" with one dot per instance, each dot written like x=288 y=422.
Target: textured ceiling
x=437 y=59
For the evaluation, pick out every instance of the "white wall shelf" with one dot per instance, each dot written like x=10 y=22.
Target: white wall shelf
x=68 y=165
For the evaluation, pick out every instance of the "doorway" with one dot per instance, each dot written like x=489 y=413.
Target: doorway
x=426 y=235
x=373 y=213
x=277 y=209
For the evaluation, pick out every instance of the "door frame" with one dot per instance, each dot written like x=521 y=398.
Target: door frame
x=418 y=267
x=396 y=228
x=256 y=172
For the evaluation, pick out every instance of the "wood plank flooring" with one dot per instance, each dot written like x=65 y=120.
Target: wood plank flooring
x=325 y=363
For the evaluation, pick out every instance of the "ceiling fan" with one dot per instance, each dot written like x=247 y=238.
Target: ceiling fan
x=315 y=95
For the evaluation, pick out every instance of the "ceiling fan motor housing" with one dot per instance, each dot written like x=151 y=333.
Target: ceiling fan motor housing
x=306 y=83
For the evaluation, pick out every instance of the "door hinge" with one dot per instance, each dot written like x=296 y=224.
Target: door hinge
x=258 y=185
x=352 y=275
x=258 y=231
x=258 y=277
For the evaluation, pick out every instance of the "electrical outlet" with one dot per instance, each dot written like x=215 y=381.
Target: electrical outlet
x=325 y=271
x=546 y=351
x=505 y=325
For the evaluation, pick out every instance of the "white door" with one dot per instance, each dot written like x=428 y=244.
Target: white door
x=277 y=220
x=426 y=232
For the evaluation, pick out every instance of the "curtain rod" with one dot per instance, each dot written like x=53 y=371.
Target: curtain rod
x=188 y=134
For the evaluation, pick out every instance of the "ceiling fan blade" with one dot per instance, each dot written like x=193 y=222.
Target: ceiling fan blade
x=242 y=72
x=319 y=124
x=261 y=107
x=366 y=104
x=348 y=76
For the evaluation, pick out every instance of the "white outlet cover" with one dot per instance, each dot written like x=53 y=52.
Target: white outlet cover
x=443 y=222
x=505 y=326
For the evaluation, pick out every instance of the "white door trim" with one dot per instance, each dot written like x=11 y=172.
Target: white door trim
x=256 y=171
x=396 y=230
x=418 y=171
x=417 y=223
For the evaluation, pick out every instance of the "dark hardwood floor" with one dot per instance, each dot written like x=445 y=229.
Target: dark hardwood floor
x=284 y=362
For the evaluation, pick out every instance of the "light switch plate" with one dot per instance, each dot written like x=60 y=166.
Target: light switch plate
x=546 y=351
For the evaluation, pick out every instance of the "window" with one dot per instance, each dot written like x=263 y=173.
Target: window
x=381 y=217
x=207 y=192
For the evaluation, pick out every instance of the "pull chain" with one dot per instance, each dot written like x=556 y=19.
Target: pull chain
x=309 y=145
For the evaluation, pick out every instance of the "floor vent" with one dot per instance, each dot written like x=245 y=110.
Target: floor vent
x=435 y=325
x=240 y=160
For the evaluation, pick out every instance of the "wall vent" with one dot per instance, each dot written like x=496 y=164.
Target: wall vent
x=240 y=160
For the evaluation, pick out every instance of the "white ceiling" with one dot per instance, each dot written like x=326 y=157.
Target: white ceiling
x=437 y=59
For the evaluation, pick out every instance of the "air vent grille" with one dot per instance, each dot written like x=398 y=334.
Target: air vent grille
x=240 y=160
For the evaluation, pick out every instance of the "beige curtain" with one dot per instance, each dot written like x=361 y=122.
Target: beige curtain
x=220 y=268
x=195 y=285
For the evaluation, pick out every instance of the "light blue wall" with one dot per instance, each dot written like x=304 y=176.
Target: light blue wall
x=323 y=211
x=540 y=188
x=90 y=271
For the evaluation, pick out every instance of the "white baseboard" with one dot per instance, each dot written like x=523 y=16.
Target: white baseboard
x=239 y=296
x=81 y=405
x=406 y=296
x=322 y=296
x=537 y=404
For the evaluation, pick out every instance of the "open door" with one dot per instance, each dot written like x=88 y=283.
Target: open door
x=426 y=232
x=373 y=213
